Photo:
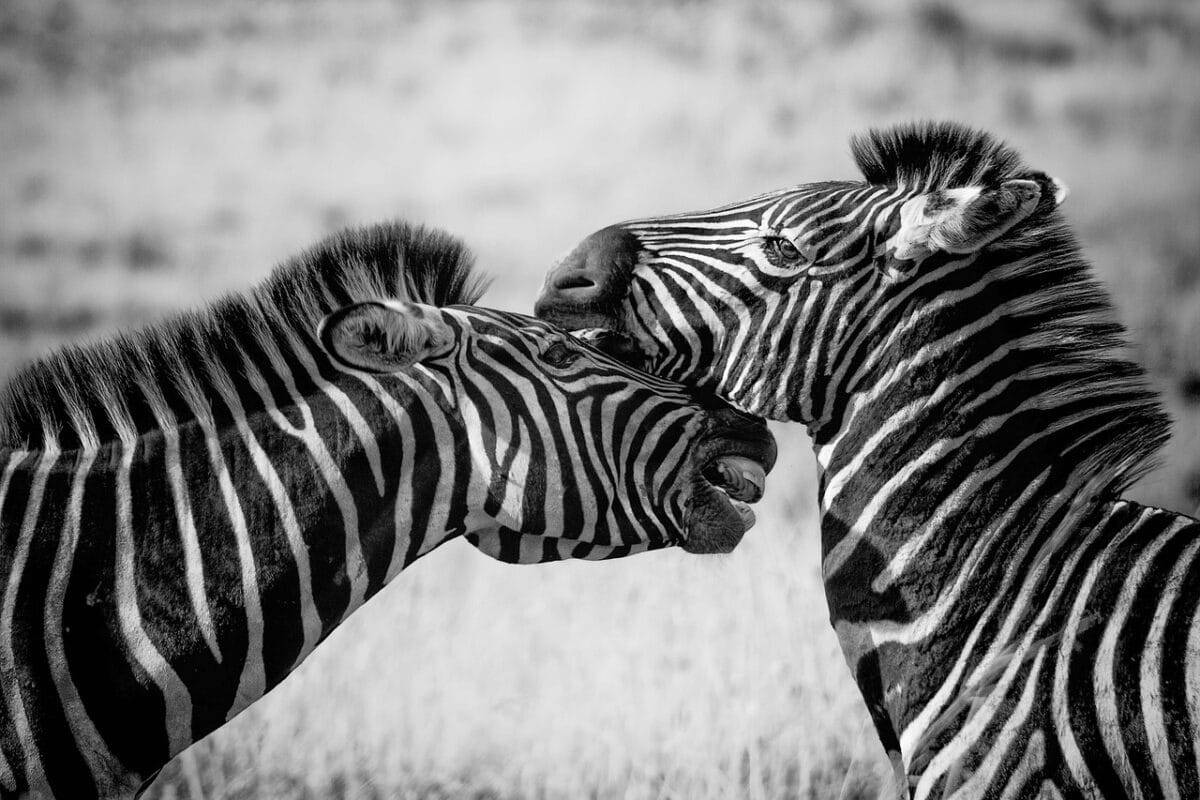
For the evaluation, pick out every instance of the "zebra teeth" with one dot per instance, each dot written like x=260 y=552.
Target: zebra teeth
x=740 y=477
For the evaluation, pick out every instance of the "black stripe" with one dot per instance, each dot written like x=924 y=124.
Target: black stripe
x=121 y=699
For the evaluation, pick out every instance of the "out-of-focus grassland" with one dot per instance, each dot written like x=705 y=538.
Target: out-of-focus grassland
x=154 y=155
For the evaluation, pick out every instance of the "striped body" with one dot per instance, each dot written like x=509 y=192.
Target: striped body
x=180 y=545
x=1016 y=629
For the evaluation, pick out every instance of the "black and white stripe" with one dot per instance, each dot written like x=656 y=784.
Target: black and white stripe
x=1016 y=628
x=186 y=512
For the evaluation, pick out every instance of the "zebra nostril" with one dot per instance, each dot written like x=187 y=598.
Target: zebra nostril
x=577 y=285
x=574 y=282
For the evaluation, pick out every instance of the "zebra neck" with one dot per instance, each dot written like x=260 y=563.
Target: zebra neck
x=188 y=570
x=978 y=380
x=956 y=457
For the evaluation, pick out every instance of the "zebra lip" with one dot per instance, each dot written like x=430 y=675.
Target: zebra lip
x=739 y=477
x=720 y=515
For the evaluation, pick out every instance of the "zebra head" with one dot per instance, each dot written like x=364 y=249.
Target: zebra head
x=773 y=302
x=570 y=452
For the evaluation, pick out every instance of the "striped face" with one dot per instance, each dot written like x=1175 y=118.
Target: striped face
x=571 y=453
x=754 y=301
x=771 y=302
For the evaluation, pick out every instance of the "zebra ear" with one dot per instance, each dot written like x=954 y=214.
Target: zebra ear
x=384 y=336
x=964 y=220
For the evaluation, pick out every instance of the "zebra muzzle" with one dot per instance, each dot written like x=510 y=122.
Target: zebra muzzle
x=732 y=459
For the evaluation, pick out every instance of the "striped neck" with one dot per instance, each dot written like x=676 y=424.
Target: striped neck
x=195 y=566
x=975 y=430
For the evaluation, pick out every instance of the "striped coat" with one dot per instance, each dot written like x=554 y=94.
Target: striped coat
x=187 y=511
x=1017 y=629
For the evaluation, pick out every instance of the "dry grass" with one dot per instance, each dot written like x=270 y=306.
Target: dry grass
x=152 y=156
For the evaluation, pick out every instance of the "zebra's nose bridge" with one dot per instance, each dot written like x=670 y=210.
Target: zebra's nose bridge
x=596 y=271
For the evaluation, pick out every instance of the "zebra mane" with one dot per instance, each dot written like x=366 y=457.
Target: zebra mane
x=1075 y=310
x=934 y=155
x=89 y=394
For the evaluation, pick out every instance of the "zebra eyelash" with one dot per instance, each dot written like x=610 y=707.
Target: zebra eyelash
x=783 y=252
x=561 y=355
x=771 y=243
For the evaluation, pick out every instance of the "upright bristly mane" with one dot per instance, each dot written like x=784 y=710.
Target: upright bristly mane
x=934 y=155
x=129 y=383
x=1073 y=311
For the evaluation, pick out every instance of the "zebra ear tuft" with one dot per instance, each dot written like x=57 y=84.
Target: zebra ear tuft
x=384 y=336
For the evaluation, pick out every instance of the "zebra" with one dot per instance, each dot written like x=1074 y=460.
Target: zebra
x=188 y=510
x=1015 y=626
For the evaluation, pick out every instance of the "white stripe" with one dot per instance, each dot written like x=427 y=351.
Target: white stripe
x=576 y=460
x=440 y=510
x=927 y=352
x=601 y=501
x=1045 y=560
x=1032 y=762
x=102 y=764
x=736 y=307
x=930 y=620
x=414 y=455
x=969 y=488
x=745 y=383
x=252 y=682
x=883 y=315
x=310 y=437
x=1150 y=675
x=34 y=773
x=310 y=618
x=844 y=548
x=1191 y=683
x=341 y=401
x=1105 y=675
x=763 y=393
x=554 y=460
x=193 y=561
x=971 y=732
x=1059 y=698
x=611 y=460
x=917 y=729
x=902 y=418
x=981 y=780
x=703 y=220
x=1015 y=656
x=406 y=469
x=675 y=312
x=666 y=472
x=850 y=310
x=808 y=383
x=7 y=779
x=176 y=699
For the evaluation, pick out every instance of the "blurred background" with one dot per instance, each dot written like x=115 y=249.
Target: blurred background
x=154 y=155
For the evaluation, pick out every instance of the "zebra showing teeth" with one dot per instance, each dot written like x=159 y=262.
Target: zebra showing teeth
x=741 y=478
x=188 y=510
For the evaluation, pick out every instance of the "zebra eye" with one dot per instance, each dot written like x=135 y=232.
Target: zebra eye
x=783 y=250
x=560 y=355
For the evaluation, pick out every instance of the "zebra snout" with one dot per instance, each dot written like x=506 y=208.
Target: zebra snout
x=592 y=278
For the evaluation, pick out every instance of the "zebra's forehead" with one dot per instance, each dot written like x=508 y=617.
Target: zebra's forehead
x=512 y=327
x=776 y=209
x=506 y=323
